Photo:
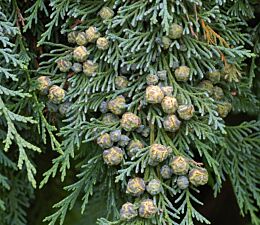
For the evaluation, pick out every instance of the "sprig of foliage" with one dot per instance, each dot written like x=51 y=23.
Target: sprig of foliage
x=87 y=179
x=215 y=35
x=239 y=158
x=10 y=119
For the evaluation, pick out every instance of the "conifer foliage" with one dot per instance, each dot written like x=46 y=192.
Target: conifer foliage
x=146 y=101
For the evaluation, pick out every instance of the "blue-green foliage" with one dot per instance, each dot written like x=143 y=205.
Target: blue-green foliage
x=216 y=34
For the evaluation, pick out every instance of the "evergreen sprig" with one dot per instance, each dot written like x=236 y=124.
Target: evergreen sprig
x=213 y=38
x=217 y=35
